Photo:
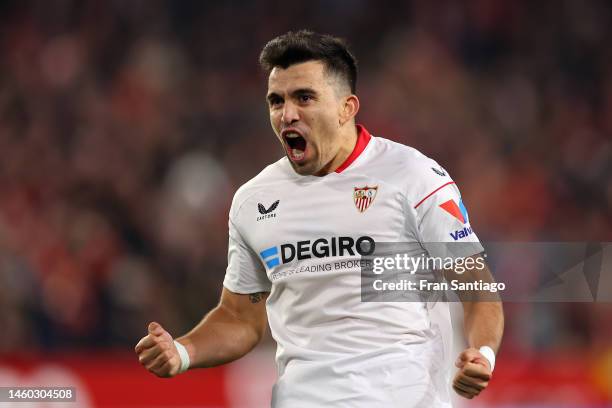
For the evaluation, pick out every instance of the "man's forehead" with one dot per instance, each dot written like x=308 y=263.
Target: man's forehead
x=310 y=74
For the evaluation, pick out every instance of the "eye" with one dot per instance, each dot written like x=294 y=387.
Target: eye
x=304 y=98
x=275 y=102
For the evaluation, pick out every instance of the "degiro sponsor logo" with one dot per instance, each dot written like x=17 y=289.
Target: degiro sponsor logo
x=319 y=248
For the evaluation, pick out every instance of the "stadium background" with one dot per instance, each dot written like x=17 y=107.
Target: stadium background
x=126 y=126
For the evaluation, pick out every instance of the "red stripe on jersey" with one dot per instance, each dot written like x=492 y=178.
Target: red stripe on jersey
x=363 y=138
x=433 y=192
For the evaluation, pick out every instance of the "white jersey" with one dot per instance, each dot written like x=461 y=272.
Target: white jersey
x=300 y=238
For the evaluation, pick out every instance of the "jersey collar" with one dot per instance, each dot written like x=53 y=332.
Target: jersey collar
x=363 y=138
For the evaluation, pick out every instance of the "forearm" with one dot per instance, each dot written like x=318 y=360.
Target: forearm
x=221 y=337
x=483 y=314
x=483 y=324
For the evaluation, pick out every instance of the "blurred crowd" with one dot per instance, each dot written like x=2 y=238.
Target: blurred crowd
x=126 y=126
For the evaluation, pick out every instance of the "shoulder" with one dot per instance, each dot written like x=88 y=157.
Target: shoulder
x=401 y=155
x=271 y=177
x=416 y=174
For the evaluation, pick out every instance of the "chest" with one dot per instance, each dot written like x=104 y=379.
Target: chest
x=324 y=219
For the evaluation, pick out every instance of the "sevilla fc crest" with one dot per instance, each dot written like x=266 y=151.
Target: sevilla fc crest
x=364 y=196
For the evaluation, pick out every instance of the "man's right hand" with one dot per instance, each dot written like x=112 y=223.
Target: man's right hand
x=157 y=353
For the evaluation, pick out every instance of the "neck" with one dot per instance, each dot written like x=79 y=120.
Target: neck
x=347 y=139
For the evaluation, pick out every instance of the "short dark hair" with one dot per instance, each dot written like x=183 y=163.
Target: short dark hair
x=304 y=45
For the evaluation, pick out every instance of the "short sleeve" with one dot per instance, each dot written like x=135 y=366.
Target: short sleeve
x=443 y=223
x=245 y=272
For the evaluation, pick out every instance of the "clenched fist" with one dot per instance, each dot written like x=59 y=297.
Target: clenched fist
x=157 y=353
x=473 y=375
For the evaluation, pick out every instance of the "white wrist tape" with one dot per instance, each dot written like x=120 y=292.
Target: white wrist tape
x=489 y=355
x=183 y=355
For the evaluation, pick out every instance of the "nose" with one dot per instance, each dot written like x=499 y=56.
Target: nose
x=290 y=113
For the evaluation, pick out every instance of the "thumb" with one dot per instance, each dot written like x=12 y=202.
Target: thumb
x=461 y=360
x=155 y=329
x=466 y=356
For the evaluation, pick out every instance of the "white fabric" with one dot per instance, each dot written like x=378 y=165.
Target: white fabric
x=334 y=349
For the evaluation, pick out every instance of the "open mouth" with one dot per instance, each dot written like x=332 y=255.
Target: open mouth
x=296 y=146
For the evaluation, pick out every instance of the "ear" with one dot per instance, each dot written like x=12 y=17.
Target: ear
x=349 y=109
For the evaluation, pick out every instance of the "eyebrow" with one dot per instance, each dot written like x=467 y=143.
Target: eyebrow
x=302 y=91
x=297 y=92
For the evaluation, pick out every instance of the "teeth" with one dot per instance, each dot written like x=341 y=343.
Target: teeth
x=291 y=135
x=297 y=154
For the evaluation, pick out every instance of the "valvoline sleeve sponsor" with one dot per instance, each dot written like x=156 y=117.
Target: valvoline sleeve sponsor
x=443 y=220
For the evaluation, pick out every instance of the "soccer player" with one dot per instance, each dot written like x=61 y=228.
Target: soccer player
x=296 y=234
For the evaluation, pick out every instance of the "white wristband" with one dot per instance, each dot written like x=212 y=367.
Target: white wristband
x=183 y=355
x=489 y=355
